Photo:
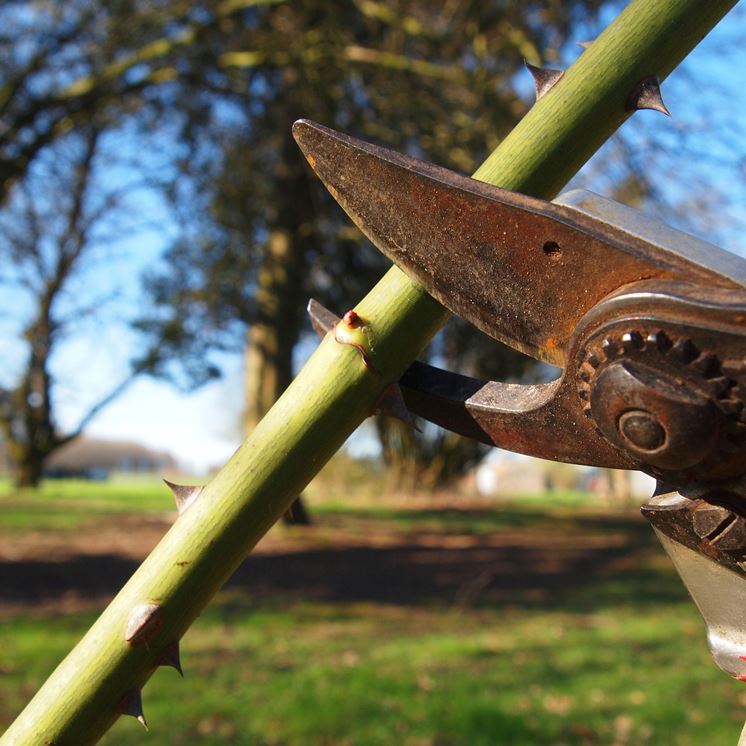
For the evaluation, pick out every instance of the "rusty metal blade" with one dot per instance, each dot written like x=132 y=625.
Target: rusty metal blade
x=322 y=319
x=522 y=270
x=520 y=418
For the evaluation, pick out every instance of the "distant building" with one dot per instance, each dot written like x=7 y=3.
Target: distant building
x=506 y=474
x=96 y=458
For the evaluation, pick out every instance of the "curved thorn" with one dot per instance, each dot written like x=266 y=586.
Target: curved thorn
x=545 y=78
x=647 y=95
x=391 y=404
x=584 y=44
x=131 y=704
x=184 y=494
x=171 y=656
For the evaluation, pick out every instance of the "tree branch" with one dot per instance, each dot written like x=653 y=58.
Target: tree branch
x=117 y=391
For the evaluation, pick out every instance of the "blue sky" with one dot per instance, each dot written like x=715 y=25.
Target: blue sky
x=707 y=99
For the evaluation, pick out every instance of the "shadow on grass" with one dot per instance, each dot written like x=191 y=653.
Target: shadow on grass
x=579 y=562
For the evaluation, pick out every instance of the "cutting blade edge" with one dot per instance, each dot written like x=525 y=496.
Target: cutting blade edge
x=522 y=270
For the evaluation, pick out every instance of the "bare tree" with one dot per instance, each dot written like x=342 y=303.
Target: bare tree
x=54 y=220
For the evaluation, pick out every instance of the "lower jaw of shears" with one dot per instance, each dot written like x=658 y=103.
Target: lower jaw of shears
x=707 y=545
x=520 y=418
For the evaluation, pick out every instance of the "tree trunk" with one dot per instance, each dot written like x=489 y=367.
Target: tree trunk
x=271 y=339
x=27 y=423
x=620 y=487
x=29 y=473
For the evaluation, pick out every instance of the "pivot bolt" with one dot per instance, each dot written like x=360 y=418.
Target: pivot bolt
x=642 y=430
x=654 y=415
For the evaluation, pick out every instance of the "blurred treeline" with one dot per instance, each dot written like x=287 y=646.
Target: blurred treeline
x=194 y=101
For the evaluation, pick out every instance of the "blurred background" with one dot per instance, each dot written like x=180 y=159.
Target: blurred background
x=160 y=235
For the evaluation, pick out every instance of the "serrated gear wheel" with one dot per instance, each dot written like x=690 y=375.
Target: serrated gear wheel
x=678 y=361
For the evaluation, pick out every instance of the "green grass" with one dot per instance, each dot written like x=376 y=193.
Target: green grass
x=615 y=658
x=66 y=505
x=319 y=674
x=513 y=514
x=60 y=505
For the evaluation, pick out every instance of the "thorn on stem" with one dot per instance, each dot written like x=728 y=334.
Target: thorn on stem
x=647 y=95
x=184 y=494
x=131 y=704
x=584 y=44
x=545 y=78
x=391 y=404
x=143 y=624
x=171 y=656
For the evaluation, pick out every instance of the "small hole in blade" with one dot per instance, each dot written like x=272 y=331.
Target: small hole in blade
x=552 y=250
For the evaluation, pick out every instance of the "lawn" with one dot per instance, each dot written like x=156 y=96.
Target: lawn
x=69 y=504
x=533 y=621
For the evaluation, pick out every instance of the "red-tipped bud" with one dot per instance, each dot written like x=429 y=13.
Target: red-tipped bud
x=351 y=319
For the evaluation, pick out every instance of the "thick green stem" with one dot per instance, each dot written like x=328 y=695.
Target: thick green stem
x=336 y=390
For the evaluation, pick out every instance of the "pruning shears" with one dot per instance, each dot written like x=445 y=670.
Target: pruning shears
x=647 y=323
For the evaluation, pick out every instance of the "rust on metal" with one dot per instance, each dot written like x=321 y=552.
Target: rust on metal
x=584 y=283
x=322 y=319
x=648 y=325
x=682 y=520
x=480 y=250
x=632 y=354
x=521 y=418
x=706 y=541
